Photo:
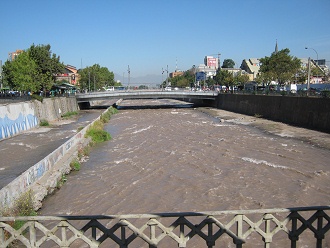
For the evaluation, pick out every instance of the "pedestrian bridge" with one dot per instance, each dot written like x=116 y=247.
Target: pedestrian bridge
x=146 y=94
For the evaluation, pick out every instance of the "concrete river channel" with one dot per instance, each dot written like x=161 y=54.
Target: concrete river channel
x=187 y=160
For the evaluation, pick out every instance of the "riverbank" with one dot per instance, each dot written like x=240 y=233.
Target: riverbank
x=316 y=138
x=44 y=176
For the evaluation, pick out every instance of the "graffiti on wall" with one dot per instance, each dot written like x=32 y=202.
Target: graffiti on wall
x=15 y=119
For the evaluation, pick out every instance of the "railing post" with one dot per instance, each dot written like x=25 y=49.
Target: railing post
x=182 y=237
x=64 y=225
x=239 y=231
x=33 y=235
x=293 y=233
x=319 y=235
x=2 y=236
x=123 y=235
x=210 y=242
x=152 y=225
x=268 y=238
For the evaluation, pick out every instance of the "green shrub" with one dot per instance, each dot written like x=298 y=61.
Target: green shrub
x=96 y=131
x=113 y=110
x=44 y=123
x=61 y=181
x=325 y=93
x=23 y=206
x=98 y=135
x=82 y=152
x=105 y=117
x=75 y=165
x=37 y=97
x=69 y=114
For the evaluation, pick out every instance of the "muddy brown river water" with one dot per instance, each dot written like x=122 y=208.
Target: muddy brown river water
x=182 y=160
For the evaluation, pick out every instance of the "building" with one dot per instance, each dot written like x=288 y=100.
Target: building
x=252 y=67
x=13 y=55
x=208 y=71
x=235 y=71
x=70 y=75
x=176 y=73
x=211 y=62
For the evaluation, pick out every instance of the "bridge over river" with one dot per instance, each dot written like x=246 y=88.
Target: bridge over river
x=200 y=98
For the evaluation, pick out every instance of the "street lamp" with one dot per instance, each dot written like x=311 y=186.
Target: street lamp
x=317 y=59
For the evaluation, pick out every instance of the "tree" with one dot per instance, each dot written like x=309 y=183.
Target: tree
x=95 y=77
x=241 y=79
x=224 y=77
x=21 y=74
x=182 y=81
x=280 y=67
x=48 y=64
x=228 y=63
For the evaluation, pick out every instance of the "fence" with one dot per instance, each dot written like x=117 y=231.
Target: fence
x=173 y=229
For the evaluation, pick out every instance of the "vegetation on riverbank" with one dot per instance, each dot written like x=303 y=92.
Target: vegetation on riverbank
x=44 y=123
x=96 y=131
x=25 y=203
x=23 y=206
x=69 y=114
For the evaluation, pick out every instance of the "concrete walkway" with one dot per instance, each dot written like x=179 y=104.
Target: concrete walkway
x=20 y=152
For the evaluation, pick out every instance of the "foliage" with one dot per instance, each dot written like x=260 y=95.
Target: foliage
x=48 y=64
x=95 y=77
x=69 y=114
x=240 y=78
x=44 y=123
x=82 y=152
x=182 y=81
x=96 y=131
x=143 y=87
x=224 y=77
x=325 y=93
x=33 y=69
x=228 y=63
x=61 y=181
x=280 y=67
x=21 y=73
x=75 y=165
x=113 y=110
x=23 y=206
x=37 y=97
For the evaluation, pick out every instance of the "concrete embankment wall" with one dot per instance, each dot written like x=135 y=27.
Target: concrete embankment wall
x=42 y=178
x=16 y=118
x=309 y=112
x=19 y=117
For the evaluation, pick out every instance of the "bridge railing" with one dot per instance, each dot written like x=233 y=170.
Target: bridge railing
x=255 y=228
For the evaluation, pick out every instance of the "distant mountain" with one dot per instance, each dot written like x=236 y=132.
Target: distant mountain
x=151 y=80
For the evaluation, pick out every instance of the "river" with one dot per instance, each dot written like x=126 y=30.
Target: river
x=182 y=160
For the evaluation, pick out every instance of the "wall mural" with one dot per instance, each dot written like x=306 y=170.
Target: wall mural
x=16 y=119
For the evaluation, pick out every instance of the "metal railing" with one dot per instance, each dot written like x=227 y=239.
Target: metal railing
x=171 y=229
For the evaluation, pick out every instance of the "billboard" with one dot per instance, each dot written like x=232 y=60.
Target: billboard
x=212 y=62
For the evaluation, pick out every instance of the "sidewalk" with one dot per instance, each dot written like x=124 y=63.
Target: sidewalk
x=20 y=152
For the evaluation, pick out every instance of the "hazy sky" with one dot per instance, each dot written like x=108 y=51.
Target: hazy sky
x=148 y=35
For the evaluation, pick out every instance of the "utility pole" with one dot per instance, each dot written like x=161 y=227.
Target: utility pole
x=309 y=75
x=1 y=86
x=129 y=77
x=89 y=81
x=167 y=76
x=162 y=79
